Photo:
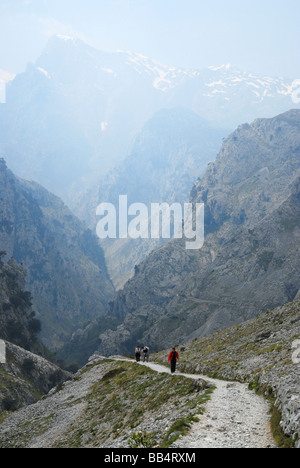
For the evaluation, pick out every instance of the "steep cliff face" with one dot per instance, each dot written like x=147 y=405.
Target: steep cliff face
x=253 y=173
x=26 y=374
x=26 y=377
x=67 y=274
x=171 y=151
x=250 y=260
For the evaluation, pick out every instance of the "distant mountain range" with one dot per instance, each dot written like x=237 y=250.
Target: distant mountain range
x=76 y=112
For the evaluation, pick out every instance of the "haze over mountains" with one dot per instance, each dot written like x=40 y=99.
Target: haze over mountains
x=167 y=157
x=78 y=104
x=250 y=260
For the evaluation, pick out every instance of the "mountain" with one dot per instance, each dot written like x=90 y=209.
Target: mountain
x=67 y=274
x=26 y=377
x=225 y=94
x=74 y=114
x=250 y=259
x=263 y=352
x=98 y=408
x=173 y=148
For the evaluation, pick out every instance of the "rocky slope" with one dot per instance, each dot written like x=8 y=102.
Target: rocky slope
x=79 y=104
x=26 y=377
x=116 y=403
x=17 y=317
x=264 y=352
x=250 y=260
x=113 y=403
x=66 y=268
x=108 y=404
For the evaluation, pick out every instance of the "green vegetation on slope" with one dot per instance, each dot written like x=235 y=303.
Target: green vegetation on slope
x=127 y=397
x=109 y=404
x=258 y=352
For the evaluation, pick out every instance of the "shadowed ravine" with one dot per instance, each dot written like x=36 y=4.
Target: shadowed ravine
x=235 y=417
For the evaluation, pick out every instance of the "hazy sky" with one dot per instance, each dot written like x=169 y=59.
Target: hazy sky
x=262 y=36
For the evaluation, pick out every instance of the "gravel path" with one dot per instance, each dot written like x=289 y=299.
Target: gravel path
x=235 y=417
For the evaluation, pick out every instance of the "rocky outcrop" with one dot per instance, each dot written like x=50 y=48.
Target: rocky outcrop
x=107 y=404
x=25 y=370
x=66 y=270
x=250 y=259
x=18 y=323
x=26 y=377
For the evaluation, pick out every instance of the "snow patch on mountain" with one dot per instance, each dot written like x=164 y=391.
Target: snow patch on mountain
x=6 y=76
x=44 y=72
x=220 y=67
x=65 y=38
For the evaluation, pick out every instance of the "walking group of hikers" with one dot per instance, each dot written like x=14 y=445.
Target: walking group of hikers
x=173 y=356
x=139 y=352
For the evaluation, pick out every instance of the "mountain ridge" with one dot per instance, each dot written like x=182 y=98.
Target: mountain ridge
x=237 y=274
x=96 y=103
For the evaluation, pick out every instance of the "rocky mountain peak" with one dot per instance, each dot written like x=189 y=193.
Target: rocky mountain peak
x=261 y=159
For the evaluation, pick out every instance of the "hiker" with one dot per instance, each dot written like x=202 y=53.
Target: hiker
x=146 y=352
x=138 y=354
x=173 y=358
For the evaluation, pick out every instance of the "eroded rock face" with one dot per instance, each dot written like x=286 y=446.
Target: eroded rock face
x=17 y=318
x=250 y=260
x=26 y=377
x=25 y=372
x=66 y=270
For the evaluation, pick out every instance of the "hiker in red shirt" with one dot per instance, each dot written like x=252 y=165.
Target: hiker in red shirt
x=173 y=358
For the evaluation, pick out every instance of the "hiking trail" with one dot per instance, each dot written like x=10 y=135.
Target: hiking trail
x=234 y=417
